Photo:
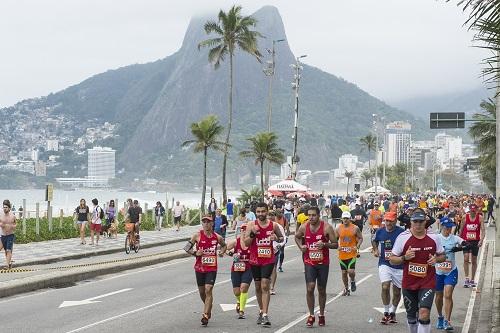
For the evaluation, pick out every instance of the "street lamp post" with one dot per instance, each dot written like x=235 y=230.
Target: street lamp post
x=375 y=127
x=296 y=84
x=497 y=181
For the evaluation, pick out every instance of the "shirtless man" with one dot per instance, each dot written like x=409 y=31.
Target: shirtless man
x=8 y=226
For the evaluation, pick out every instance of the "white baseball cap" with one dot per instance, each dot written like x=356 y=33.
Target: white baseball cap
x=346 y=215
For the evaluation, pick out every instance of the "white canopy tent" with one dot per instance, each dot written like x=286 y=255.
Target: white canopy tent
x=288 y=185
x=380 y=189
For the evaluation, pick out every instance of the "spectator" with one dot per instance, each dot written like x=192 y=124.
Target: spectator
x=159 y=215
x=178 y=210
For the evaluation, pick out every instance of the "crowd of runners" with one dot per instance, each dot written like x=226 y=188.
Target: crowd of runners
x=414 y=237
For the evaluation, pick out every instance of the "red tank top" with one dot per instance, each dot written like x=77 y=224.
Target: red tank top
x=313 y=255
x=471 y=230
x=240 y=258
x=207 y=262
x=261 y=249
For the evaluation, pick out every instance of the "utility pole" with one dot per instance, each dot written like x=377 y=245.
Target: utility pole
x=295 y=85
x=376 y=151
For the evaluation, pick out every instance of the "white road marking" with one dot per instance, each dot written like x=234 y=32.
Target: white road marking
x=66 y=304
x=302 y=318
x=470 y=308
x=231 y=307
x=368 y=249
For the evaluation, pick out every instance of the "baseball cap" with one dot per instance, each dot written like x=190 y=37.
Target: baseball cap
x=446 y=222
x=417 y=216
x=390 y=216
x=207 y=217
x=346 y=215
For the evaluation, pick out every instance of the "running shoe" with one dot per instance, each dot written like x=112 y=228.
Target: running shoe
x=393 y=318
x=265 y=321
x=241 y=315
x=310 y=321
x=466 y=283
x=321 y=320
x=346 y=292
x=472 y=284
x=273 y=292
x=259 y=319
x=353 y=286
x=385 y=318
x=204 y=320
x=440 y=323
x=447 y=326
x=237 y=307
x=280 y=270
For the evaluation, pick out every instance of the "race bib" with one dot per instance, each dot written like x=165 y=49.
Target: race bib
x=387 y=255
x=470 y=236
x=358 y=217
x=239 y=267
x=418 y=270
x=444 y=266
x=346 y=249
x=264 y=252
x=375 y=226
x=316 y=255
x=208 y=260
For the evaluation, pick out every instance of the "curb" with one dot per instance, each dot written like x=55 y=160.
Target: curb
x=63 y=279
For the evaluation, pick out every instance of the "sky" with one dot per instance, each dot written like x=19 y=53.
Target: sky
x=393 y=49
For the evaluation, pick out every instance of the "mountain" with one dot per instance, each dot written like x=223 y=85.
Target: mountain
x=154 y=104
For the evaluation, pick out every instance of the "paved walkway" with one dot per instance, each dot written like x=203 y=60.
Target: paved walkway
x=55 y=250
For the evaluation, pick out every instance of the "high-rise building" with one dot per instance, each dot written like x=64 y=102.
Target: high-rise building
x=101 y=163
x=348 y=162
x=451 y=146
x=397 y=142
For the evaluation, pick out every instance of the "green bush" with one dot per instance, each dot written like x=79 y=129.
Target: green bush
x=68 y=228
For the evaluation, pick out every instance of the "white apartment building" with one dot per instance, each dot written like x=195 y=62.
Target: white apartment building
x=52 y=145
x=449 y=147
x=397 y=142
x=348 y=162
x=101 y=163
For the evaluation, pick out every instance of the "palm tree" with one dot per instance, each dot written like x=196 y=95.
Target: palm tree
x=370 y=143
x=232 y=31
x=249 y=196
x=367 y=175
x=348 y=175
x=483 y=132
x=264 y=147
x=206 y=135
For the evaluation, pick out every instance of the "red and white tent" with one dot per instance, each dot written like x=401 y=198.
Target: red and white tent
x=287 y=186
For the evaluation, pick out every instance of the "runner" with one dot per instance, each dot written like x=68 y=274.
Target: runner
x=82 y=216
x=349 y=238
x=241 y=275
x=259 y=237
x=447 y=274
x=8 y=227
x=419 y=251
x=359 y=216
x=205 y=266
x=314 y=239
x=278 y=248
x=375 y=218
x=382 y=245
x=472 y=231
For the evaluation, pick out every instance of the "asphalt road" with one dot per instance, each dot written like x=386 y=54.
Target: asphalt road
x=164 y=298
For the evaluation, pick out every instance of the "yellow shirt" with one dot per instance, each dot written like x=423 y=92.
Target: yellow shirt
x=344 y=208
x=301 y=218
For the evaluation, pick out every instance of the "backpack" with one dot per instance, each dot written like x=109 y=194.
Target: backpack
x=101 y=213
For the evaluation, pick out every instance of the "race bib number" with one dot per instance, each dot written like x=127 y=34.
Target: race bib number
x=358 y=217
x=239 y=267
x=208 y=260
x=444 y=266
x=418 y=270
x=346 y=249
x=470 y=236
x=387 y=255
x=264 y=252
x=316 y=255
x=375 y=227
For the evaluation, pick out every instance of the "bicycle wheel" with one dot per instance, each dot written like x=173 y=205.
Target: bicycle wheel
x=137 y=245
x=127 y=244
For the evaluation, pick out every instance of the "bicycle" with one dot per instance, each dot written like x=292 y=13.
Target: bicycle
x=132 y=242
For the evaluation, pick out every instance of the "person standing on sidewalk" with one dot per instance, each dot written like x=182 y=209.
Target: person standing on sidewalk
x=82 y=216
x=473 y=232
x=178 y=210
x=8 y=226
x=159 y=214
x=418 y=251
x=220 y=223
x=205 y=267
x=111 y=214
x=96 y=223
x=229 y=211
x=259 y=237
x=385 y=238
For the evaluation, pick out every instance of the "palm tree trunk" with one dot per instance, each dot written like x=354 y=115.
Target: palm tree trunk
x=229 y=124
x=369 y=163
x=348 y=186
x=262 y=179
x=204 y=181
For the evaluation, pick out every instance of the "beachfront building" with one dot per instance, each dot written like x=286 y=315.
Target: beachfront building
x=398 y=141
x=101 y=163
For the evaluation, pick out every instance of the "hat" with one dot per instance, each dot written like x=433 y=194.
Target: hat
x=390 y=216
x=376 y=203
x=446 y=222
x=207 y=217
x=346 y=215
x=417 y=216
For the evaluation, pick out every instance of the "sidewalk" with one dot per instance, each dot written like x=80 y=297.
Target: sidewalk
x=36 y=253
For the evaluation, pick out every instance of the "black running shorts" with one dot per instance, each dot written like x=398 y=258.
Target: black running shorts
x=317 y=273
x=472 y=248
x=262 y=272
x=205 y=278
x=237 y=278
x=416 y=299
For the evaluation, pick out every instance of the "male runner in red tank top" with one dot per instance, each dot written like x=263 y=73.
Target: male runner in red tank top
x=315 y=238
x=259 y=238
x=472 y=231
x=205 y=267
